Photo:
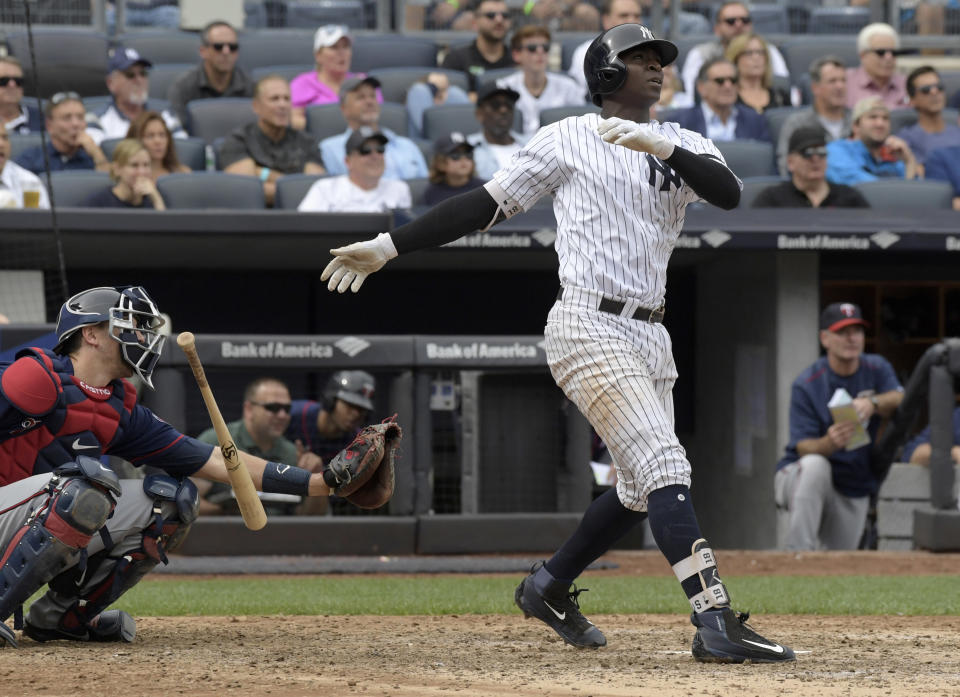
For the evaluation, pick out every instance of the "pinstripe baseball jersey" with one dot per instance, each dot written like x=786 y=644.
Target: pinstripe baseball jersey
x=619 y=212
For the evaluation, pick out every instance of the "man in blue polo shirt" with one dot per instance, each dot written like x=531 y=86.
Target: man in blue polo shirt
x=70 y=146
x=872 y=153
x=944 y=164
x=824 y=487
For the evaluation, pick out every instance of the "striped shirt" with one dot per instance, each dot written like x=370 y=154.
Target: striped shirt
x=619 y=212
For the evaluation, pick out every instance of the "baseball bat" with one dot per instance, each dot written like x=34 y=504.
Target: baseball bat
x=251 y=508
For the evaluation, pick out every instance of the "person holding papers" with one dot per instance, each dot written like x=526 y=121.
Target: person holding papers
x=824 y=481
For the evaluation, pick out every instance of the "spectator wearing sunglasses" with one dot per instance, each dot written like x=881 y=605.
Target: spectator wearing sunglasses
x=360 y=108
x=538 y=89
x=928 y=97
x=17 y=116
x=128 y=80
x=719 y=116
x=269 y=147
x=496 y=143
x=488 y=51
x=363 y=189
x=732 y=20
x=878 y=45
x=808 y=186
x=218 y=75
x=266 y=416
x=70 y=147
x=872 y=153
x=452 y=169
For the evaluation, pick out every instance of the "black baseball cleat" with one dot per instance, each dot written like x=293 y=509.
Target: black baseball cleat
x=723 y=636
x=559 y=608
x=110 y=625
x=7 y=635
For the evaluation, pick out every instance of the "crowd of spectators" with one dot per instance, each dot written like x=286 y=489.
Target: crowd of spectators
x=726 y=89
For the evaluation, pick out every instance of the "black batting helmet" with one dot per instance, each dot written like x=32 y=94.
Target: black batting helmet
x=602 y=66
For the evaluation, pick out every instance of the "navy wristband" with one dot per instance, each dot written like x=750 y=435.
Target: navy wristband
x=285 y=479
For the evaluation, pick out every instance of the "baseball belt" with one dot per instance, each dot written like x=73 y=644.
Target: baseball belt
x=615 y=307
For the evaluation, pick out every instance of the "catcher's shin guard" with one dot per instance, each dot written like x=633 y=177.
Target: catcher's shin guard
x=81 y=498
x=114 y=575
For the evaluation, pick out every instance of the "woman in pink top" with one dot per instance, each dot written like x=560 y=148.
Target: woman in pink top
x=332 y=50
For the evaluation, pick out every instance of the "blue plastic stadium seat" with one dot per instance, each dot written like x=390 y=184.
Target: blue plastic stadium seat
x=199 y=190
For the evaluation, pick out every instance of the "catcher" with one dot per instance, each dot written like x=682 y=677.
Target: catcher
x=68 y=521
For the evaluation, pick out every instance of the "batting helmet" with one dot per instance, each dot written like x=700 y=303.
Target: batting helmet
x=604 y=70
x=354 y=387
x=133 y=318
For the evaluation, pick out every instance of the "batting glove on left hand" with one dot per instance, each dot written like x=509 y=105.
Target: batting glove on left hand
x=636 y=136
x=352 y=264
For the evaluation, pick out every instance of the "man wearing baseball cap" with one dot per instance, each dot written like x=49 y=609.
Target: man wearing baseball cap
x=497 y=142
x=128 y=80
x=823 y=485
x=808 y=186
x=872 y=153
x=360 y=107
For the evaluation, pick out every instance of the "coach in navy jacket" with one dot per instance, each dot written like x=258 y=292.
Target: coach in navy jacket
x=719 y=116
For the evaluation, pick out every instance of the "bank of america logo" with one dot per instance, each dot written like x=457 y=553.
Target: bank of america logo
x=545 y=236
x=885 y=238
x=715 y=238
x=351 y=345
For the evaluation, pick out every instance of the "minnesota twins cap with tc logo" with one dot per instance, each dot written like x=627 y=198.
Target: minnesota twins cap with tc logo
x=836 y=316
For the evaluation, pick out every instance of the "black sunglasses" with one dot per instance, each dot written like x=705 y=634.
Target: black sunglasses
x=274 y=407
x=809 y=153
x=926 y=89
x=733 y=20
x=534 y=48
x=367 y=149
x=494 y=15
x=724 y=80
x=219 y=46
x=885 y=51
x=6 y=80
x=459 y=155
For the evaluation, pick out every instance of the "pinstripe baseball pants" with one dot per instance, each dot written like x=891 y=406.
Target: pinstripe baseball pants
x=620 y=374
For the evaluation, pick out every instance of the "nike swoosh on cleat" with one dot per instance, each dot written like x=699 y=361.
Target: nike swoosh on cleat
x=76 y=445
x=560 y=615
x=776 y=648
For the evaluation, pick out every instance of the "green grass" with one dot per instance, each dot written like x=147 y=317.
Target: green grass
x=441 y=595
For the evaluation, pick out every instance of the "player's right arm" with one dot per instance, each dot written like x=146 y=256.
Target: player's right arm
x=533 y=172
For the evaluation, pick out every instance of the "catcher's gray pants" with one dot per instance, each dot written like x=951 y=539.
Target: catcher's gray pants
x=134 y=512
x=620 y=374
x=818 y=516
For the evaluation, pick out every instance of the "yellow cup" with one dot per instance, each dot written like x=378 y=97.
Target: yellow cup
x=31 y=198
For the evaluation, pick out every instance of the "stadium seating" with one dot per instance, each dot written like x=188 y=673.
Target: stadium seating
x=72 y=188
x=167 y=46
x=215 y=118
x=292 y=188
x=770 y=19
x=752 y=186
x=71 y=60
x=392 y=50
x=916 y=194
x=418 y=187
x=287 y=72
x=191 y=152
x=838 y=20
x=211 y=190
x=569 y=45
x=562 y=112
x=748 y=158
x=446 y=118
x=801 y=51
x=776 y=117
x=355 y=14
x=20 y=142
x=162 y=75
x=325 y=120
x=395 y=82
x=259 y=48
x=901 y=118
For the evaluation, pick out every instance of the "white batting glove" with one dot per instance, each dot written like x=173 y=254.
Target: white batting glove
x=352 y=264
x=636 y=136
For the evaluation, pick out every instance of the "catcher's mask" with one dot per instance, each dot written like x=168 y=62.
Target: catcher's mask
x=133 y=320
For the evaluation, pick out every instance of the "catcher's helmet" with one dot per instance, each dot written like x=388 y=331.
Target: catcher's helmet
x=604 y=70
x=127 y=309
x=354 y=387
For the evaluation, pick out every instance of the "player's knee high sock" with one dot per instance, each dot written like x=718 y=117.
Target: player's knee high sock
x=674 y=526
x=605 y=521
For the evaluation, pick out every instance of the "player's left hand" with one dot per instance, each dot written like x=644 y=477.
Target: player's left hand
x=636 y=136
x=352 y=264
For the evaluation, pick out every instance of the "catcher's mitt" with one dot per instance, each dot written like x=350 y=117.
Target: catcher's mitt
x=362 y=473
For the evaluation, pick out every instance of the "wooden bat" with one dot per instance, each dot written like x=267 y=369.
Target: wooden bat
x=251 y=508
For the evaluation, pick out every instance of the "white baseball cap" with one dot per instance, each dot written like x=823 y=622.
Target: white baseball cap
x=328 y=35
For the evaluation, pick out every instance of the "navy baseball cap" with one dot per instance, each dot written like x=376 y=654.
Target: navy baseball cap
x=836 y=316
x=492 y=89
x=361 y=136
x=353 y=83
x=807 y=137
x=125 y=58
x=444 y=145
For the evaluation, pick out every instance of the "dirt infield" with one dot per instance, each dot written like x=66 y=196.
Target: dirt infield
x=490 y=656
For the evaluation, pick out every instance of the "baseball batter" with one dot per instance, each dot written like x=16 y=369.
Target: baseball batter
x=67 y=520
x=621 y=184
